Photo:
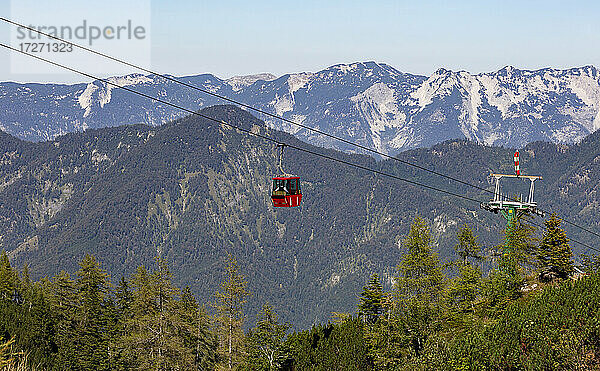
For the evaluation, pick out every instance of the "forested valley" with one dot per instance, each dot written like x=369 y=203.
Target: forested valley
x=531 y=310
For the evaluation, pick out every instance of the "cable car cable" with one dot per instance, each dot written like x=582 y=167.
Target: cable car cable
x=106 y=81
x=172 y=79
x=239 y=128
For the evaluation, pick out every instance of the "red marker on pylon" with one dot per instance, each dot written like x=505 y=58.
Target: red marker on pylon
x=517 y=170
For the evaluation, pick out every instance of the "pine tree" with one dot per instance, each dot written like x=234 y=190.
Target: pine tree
x=154 y=336
x=370 y=306
x=386 y=339
x=554 y=253
x=119 y=315
x=265 y=346
x=195 y=330
x=92 y=286
x=590 y=263
x=64 y=302
x=35 y=320
x=420 y=287
x=465 y=288
x=521 y=243
x=414 y=311
x=231 y=298
x=420 y=274
x=467 y=246
x=9 y=279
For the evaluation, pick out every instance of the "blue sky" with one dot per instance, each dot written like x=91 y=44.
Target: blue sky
x=229 y=38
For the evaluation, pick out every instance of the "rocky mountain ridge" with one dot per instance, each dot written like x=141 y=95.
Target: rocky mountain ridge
x=369 y=103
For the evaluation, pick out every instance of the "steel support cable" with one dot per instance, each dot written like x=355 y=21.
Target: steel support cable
x=172 y=79
x=378 y=172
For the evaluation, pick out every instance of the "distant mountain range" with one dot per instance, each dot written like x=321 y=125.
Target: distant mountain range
x=369 y=103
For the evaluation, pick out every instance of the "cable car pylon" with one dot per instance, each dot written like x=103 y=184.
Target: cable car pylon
x=512 y=209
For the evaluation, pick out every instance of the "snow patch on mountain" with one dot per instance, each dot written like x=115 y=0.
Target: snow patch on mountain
x=566 y=134
x=85 y=98
x=378 y=106
x=238 y=83
x=113 y=82
x=286 y=102
x=298 y=81
x=470 y=126
x=439 y=85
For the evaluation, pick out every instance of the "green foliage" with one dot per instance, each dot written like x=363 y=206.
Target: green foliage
x=82 y=324
x=420 y=274
x=370 y=306
x=504 y=284
x=427 y=321
x=339 y=346
x=420 y=287
x=161 y=332
x=466 y=288
x=554 y=254
x=9 y=279
x=230 y=314
x=591 y=263
x=91 y=338
x=515 y=262
x=386 y=339
x=521 y=244
x=265 y=347
x=556 y=329
x=467 y=246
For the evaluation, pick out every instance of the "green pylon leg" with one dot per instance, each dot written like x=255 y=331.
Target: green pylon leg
x=509 y=214
x=507 y=262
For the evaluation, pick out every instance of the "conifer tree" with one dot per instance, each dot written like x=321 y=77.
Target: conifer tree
x=9 y=279
x=590 y=263
x=415 y=309
x=554 y=253
x=467 y=246
x=195 y=330
x=517 y=256
x=420 y=275
x=521 y=242
x=91 y=315
x=64 y=302
x=465 y=288
x=119 y=315
x=420 y=287
x=35 y=322
x=231 y=298
x=370 y=306
x=386 y=338
x=153 y=334
x=265 y=346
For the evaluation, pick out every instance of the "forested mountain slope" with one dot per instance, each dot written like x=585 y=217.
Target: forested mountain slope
x=192 y=190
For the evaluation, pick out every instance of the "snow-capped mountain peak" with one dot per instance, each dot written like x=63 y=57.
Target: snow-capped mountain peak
x=365 y=102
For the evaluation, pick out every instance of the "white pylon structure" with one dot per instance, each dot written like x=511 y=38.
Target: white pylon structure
x=510 y=208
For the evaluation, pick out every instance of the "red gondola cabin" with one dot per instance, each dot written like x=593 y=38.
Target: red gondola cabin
x=286 y=191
